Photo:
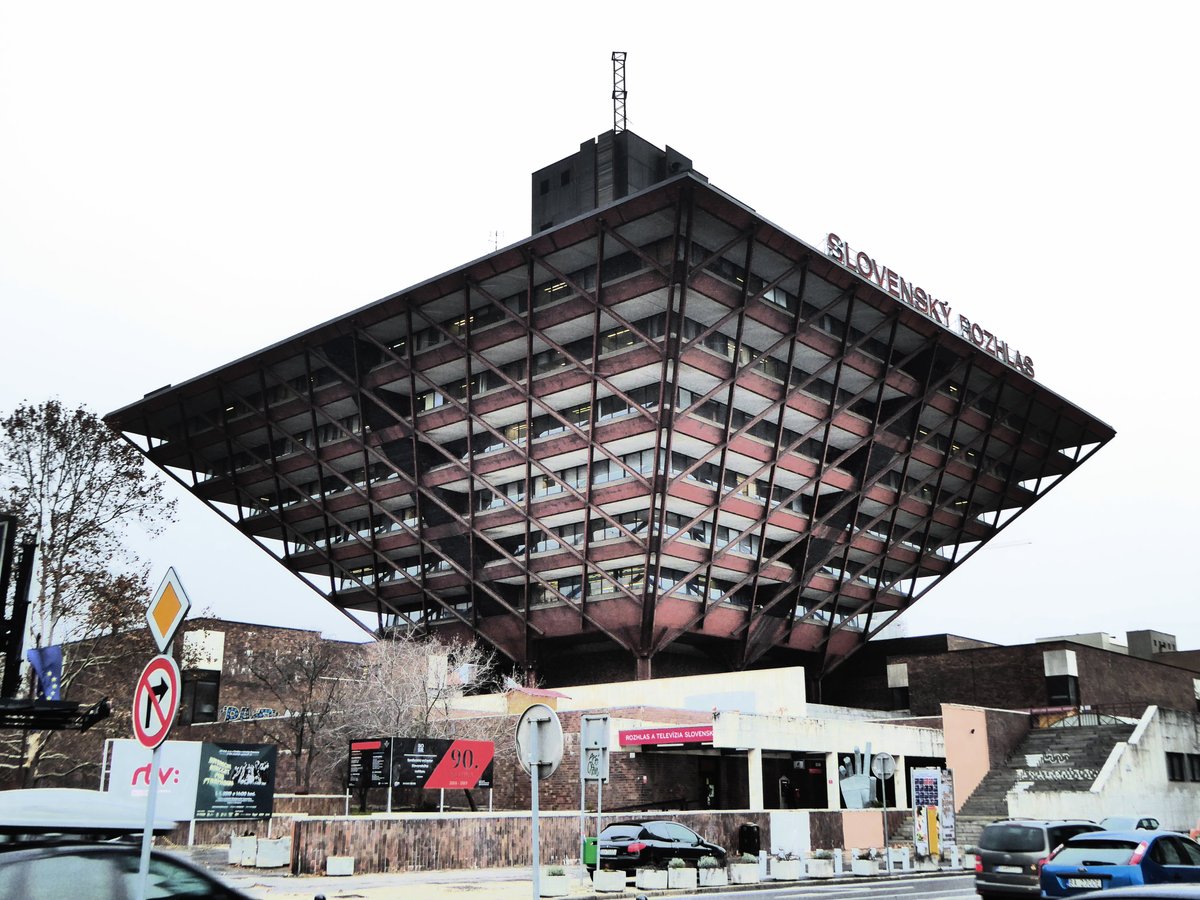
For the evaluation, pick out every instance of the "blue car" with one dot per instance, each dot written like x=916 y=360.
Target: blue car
x=1100 y=860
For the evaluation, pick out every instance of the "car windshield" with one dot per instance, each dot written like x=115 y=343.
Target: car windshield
x=1060 y=833
x=1093 y=852
x=1011 y=838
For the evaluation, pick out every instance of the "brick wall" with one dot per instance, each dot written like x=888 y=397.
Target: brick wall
x=1014 y=678
x=1005 y=731
x=414 y=841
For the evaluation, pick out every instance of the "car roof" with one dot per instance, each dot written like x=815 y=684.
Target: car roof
x=1125 y=834
x=73 y=811
x=16 y=852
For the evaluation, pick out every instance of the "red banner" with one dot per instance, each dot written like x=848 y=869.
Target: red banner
x=462 y=765
x=676 y=734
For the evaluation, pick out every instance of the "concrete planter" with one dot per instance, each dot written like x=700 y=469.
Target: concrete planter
x=713 y=877
x=681 y=878
x=273 y=854
x=743 y=873
x=339 y=865
x=243 y=850
x=787 y=869
x=608 y=881
x=864 y=867
x=819 y=868
x=554 y=886
x=651 y=879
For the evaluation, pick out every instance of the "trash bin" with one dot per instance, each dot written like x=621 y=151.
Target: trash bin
x=589 y=851
x=748 y=838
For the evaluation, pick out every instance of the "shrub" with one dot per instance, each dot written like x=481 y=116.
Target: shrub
x=556 y=870
x=822 y=854
x=676 y=863
x=747 y=858
x=709 y=862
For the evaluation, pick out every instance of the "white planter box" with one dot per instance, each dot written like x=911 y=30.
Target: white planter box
x=272 y=854
x=787 y=869
x=713 y=877
x=608 y=881
x=554 y=886
x=681 y=878
x=864 y=867
x=243 y=850
x=651 y=879
x=339 y=865
x=819 y=868
x=743 y=873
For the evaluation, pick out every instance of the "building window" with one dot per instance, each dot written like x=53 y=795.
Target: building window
x=1194 y=766
x=1175 y=767
x=565 y=178
x=544 y=187
x=199 y=695
x=1062 y=690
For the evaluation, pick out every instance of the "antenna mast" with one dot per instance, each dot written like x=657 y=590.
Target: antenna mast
x=618 y=61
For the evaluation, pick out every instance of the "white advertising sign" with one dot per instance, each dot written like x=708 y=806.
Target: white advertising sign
x=179 y=762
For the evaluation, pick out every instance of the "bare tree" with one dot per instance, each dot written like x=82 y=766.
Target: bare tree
x=409 y=686
x=78 y=489
x=311 y=686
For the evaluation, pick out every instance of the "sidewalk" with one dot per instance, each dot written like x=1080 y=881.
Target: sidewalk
x=486 y=884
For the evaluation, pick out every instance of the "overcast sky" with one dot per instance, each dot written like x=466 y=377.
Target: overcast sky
x=183 y=184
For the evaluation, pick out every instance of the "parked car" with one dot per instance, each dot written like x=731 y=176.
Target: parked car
x=52 y=870
x=630 y=845
x=1129 y=823
x=1147 y=892
x=72 y=812
x=1112 y=859
x=1010 y=852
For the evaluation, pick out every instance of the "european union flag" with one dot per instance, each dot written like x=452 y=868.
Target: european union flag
x=47 y=664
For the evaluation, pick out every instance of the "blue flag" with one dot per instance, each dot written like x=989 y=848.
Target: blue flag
x=47 y=664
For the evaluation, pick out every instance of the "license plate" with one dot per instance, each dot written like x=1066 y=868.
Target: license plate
x=1010 y=870
x=1083 y=883
x=608 y=851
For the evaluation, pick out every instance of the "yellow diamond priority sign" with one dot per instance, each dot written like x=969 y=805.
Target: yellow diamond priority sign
x=167 y=610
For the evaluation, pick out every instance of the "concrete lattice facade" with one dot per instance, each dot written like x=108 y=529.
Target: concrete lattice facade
x=664 y=430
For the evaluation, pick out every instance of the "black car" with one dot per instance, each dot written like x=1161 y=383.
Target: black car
x=52 y=870
x=630 y=845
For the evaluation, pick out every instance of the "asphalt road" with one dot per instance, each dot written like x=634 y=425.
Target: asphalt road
x=940 y=887
x=514 y=884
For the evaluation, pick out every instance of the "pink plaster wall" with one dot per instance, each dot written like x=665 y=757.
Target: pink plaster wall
x=862 y=828
x=964 y=729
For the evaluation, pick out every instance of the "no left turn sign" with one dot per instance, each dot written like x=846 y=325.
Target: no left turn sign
x=155 y=701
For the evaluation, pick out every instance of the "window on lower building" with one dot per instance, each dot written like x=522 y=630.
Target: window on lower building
x=199 y=695
x=1062 y=690
x=1175 y=767
x=1194 y=766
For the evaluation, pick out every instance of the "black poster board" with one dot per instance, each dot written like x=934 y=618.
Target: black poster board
x=236 y=781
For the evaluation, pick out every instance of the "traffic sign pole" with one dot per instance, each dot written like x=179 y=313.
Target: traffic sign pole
x=148 y=832
x=535 y=776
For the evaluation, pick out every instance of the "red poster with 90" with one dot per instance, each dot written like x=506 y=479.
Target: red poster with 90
x=462 y=765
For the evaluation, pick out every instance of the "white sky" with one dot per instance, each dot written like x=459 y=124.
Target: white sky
x=183 y=184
